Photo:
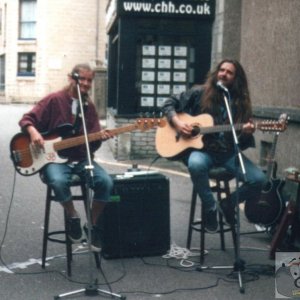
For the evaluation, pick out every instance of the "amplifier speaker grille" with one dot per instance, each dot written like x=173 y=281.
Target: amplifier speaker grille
x=137 y=222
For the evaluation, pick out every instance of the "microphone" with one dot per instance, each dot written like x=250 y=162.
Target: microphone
x=222 y=87
x=75 y=76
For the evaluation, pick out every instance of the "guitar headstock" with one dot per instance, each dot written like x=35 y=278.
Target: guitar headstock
x=274 y=126
x=149 y=123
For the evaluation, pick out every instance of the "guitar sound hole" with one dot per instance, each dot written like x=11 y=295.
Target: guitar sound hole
x=195 y=131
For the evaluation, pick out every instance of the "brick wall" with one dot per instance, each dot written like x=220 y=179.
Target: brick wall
x=131 y=145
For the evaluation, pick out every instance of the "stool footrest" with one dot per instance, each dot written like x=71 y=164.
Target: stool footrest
x=196 y=228
x=56 y=240
x=51 y=236
x=219 y=184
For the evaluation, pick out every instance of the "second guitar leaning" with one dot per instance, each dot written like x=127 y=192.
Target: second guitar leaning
x=268 y=209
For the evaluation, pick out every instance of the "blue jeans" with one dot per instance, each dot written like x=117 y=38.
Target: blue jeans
x=199 y=163
x=59 y=177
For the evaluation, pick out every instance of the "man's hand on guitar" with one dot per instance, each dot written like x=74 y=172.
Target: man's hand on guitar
x=35 y=137
x=106 y=134
x=181 y=126
x=248 y=127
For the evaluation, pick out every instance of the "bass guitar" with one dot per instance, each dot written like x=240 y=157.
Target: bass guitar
x=169 y=143
x=29 y=159
x=268 y=208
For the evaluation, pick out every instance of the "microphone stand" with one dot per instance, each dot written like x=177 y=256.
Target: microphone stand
x=91 y=289
x=239 y=264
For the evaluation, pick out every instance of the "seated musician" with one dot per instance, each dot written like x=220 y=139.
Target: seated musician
x=219 y=148
x=53 y=111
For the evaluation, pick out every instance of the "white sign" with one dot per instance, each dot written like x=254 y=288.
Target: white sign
x=180 y=64
x=160 y=101
x=164 y=50
x=179 y=88
x=164 y=63
x=163 y=76
x=163 y=89
x=147 y=88
x=148 y=50
x=179 y=76
x=148 y=63
x=147 y=101
x=148 y=76
x=180 y=51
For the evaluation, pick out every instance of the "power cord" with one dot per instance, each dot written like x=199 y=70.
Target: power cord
x=183 y=254
x=7 y=220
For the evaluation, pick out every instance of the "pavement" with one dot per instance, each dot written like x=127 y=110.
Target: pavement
x=174 y=276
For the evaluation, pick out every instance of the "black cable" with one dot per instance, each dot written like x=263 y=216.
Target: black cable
x=108 y=283
x=7 y=220
x=175 y=290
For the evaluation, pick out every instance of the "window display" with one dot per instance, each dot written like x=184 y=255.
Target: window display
x=164 y=71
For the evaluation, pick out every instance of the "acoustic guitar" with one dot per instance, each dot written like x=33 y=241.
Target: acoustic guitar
x=170 y=144
x=29 y=159
x=269 y=207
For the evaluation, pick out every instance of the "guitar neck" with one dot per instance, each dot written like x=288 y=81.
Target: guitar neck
x=92 y=137
x=220 y=128
x=270 y=158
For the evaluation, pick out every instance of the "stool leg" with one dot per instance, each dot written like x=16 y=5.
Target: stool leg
x=46 y=226
x=233 y=231
x=202 y=235
x=221 y=226
x=68 y=246
x=191 y=218
x=219 y=199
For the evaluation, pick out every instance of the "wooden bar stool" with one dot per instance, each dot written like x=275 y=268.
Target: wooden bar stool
x=53 y=236
x=219 y=181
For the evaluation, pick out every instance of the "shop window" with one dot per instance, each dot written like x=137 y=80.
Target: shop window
x=163 y=68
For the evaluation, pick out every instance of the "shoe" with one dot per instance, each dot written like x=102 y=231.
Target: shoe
x=227 y=209
x=74 y=230
x=211 y=222
x=95 y=237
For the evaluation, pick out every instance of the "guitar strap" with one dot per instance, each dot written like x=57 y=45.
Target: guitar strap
x=224 y=113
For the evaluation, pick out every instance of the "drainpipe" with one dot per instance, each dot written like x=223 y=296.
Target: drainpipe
x=97 y=32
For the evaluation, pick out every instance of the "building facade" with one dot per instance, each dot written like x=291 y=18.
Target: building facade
x=40 y=41
x=262 y=35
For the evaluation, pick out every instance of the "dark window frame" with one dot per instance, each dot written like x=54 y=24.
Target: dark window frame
x=30 y=60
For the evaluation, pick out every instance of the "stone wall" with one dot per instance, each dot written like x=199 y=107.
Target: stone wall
x=135 y=144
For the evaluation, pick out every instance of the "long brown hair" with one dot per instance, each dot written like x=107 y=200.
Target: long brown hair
x=239 y=92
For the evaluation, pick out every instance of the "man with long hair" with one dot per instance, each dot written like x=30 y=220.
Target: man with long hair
x=219 y=148
x=54 y=111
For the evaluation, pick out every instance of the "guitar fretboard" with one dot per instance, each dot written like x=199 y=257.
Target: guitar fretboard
x=92 y=137
x=220 y=128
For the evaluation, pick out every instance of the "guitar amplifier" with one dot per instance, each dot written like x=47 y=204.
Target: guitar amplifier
x=136 y=222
